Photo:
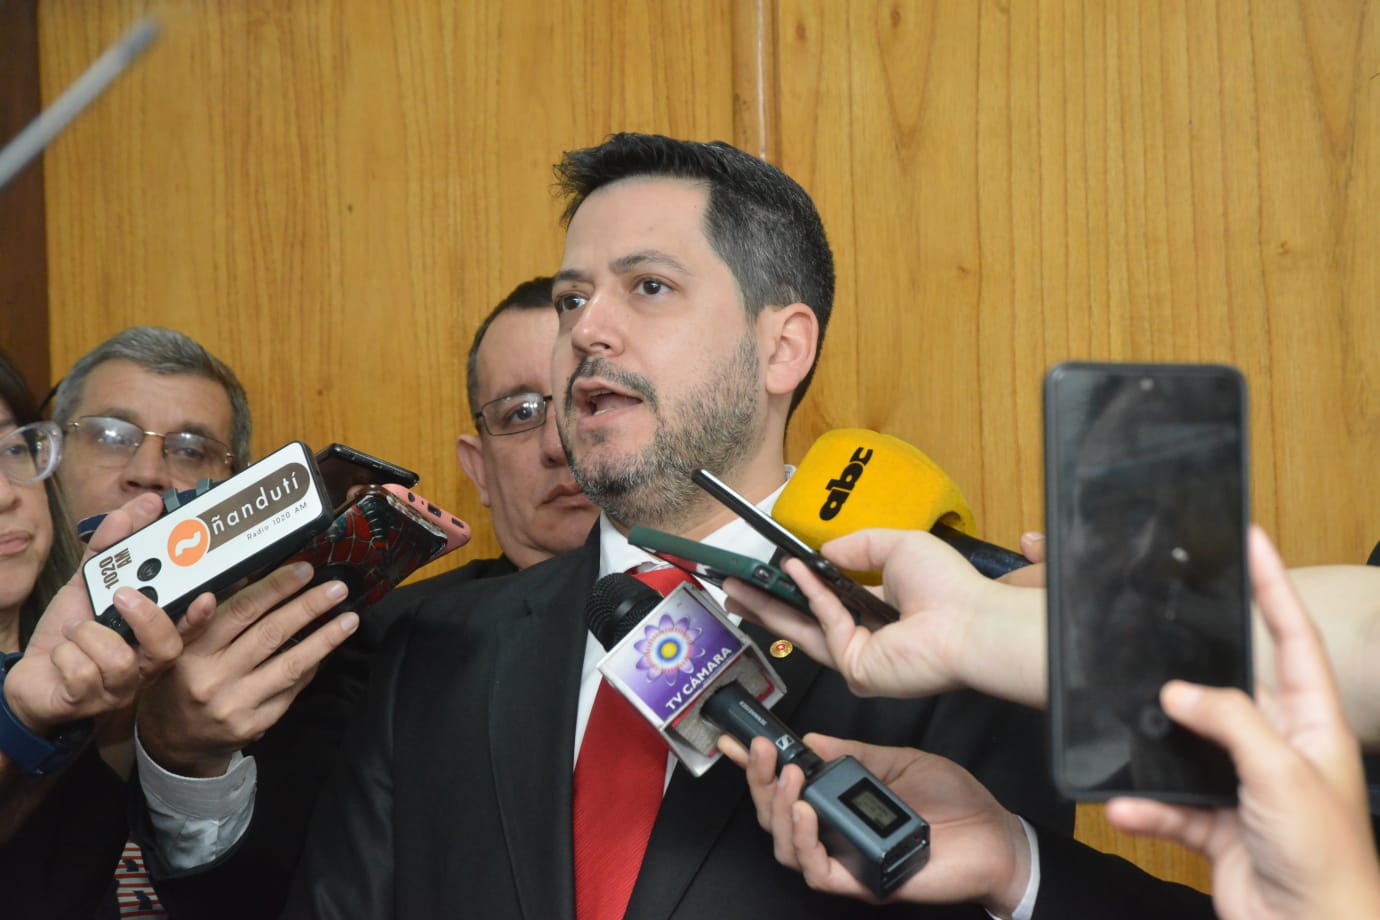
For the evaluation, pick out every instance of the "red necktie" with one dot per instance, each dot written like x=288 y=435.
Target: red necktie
x=619 y=776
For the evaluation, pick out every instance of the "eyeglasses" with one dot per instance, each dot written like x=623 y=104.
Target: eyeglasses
x=113 y=442
x=31 y=452
x=513 y=414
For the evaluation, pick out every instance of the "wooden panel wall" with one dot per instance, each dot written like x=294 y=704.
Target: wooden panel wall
x=23 y=250
x=330 y=194
x=1012 y=184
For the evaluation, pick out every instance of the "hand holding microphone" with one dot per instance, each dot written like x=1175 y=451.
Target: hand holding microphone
x=957 y=627
x=982 y=857
x=852 y=478
x=680 y=662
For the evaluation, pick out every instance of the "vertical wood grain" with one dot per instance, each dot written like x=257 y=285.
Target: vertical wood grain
x=23 y=253
x=331 y=195
x=756 y=127
x=1013 y=184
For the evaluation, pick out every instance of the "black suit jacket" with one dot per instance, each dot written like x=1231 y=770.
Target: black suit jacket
x=60 y=863
x=293 y=759
x=454 y=797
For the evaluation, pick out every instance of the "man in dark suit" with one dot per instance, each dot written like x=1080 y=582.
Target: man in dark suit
x=693 y=295
x=516 y=462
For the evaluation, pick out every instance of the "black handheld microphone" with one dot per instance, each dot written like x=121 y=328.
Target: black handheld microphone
x=862 y=823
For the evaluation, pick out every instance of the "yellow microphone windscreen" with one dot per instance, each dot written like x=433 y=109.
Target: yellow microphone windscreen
x=853 y=478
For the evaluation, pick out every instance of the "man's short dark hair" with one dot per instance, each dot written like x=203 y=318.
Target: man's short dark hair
x=759 y=220
x=161 y=351
x=530 y=295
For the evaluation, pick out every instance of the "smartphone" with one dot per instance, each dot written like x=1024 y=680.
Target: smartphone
x=373 y=544
x=1146 y=511
x=714 y=565
x=457 y=531
x=342 y=468
x=866 y=607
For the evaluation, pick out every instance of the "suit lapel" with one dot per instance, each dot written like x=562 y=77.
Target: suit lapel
x=797 y=671
x=694 y=811
x=532 y=702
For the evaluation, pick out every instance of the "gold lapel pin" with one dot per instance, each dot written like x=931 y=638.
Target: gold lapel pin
x=781 y=648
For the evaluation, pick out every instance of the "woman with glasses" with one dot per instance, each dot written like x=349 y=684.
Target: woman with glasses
x=63 y=825
x=37 y=551
x=37 y=555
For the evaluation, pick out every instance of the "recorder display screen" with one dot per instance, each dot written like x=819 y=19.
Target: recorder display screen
x=865 y=802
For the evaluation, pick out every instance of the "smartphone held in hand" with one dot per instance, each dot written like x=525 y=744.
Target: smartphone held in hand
x=1146 y=511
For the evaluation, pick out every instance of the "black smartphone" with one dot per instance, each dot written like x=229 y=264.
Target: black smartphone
x=866 y=607
x=714 y=565
x=1146 y=511
x=342 y=468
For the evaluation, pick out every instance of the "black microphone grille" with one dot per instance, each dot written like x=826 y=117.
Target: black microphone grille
x=617 y=602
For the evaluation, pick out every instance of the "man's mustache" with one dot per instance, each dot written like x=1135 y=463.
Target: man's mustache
x=626 y=380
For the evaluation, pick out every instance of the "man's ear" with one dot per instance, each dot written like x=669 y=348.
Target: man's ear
x=471 y=457
x=790 y=338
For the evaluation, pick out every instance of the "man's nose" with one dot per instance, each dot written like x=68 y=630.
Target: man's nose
x=552 y=453
x=597 y=326
x=147 y=469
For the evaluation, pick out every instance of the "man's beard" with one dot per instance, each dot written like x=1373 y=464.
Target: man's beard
x=716 y=426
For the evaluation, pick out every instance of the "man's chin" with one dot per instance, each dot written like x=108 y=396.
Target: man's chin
x=606 y=460
x=566 y=505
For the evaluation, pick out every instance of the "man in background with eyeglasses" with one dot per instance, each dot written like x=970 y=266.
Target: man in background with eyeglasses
x=516 y=460
x=146 y=410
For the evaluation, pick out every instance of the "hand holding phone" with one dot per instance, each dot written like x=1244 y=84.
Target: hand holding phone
x=714 y=566
x=867 y=608
x=376 y=542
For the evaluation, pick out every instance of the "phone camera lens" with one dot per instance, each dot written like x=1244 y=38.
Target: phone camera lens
x=1153 y=722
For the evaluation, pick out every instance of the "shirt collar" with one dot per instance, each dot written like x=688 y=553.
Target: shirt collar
x=616 y=554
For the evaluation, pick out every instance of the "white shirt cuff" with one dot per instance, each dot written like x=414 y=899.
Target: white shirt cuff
x=196 y=821
x=1026 y=907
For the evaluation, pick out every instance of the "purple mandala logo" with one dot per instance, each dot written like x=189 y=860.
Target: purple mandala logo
x=668 y=648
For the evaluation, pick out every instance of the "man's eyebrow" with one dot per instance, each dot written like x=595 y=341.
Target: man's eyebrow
x=570 y=274
x=635 y=260
x=125 y=415
x=624 y=264
x=519 y=389
x=197 y=428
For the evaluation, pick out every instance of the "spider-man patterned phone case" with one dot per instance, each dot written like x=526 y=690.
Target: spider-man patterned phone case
x=372 y=545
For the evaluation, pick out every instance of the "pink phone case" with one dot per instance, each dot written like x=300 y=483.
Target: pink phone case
x=457 y=531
